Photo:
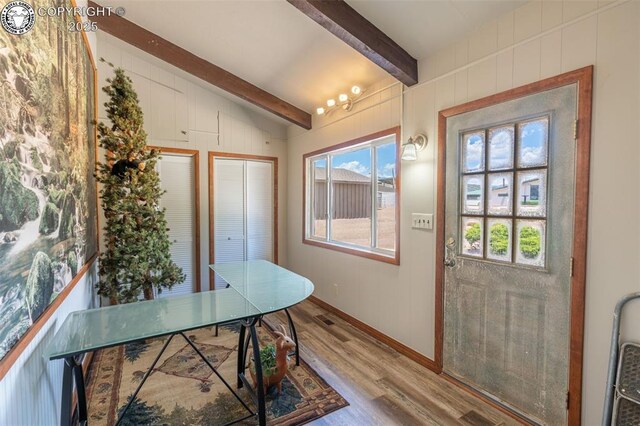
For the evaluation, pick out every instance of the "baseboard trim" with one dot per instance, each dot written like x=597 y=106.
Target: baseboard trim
x=376 y=334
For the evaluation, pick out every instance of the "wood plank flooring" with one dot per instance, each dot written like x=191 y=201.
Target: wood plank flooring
x=382 y=386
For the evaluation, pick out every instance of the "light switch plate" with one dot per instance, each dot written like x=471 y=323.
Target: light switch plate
x=422 y=221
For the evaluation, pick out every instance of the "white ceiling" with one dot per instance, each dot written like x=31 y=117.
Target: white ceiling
x=422 y=27
x=274 y=46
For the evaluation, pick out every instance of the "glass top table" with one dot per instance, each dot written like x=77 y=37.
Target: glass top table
x=255 y=288
x=268 y=287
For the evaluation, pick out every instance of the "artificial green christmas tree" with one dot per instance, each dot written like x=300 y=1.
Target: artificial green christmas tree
x=137 y=258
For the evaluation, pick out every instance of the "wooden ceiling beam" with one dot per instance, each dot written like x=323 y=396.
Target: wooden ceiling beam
x=163 y=49
x=355 y=30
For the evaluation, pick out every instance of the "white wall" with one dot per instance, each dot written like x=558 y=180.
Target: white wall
x=195 y=108
x=538 y=40
x=31 y=391
x=392 y=299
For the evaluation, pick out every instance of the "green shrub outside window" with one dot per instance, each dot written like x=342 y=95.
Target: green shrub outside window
x=472 y=234
x=529 y=242
x=499 y=239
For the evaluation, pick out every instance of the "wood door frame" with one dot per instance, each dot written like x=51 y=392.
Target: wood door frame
x=196 y=168
x=231 y=156
x=583 y=77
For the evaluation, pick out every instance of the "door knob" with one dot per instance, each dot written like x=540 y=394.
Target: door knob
x=450 y=253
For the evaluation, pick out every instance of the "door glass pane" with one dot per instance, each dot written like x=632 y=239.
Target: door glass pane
x=532 y=191
x=351 y=199
x=386 y=196
x=499 y=232
x=473 y=152
x=472 y=236
x=531 y=242
x=501 y=148
x=500 y=192
x=473 y=194
x=319 y=198
x=532 y=146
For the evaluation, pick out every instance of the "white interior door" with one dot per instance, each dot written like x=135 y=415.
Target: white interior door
x=243 y=209
x=177 y=178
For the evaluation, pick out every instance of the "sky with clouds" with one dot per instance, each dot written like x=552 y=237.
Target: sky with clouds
x=532 y=144
x=360 y=161
x=532 y=147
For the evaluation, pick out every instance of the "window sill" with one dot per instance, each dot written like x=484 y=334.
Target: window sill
x=391 y=259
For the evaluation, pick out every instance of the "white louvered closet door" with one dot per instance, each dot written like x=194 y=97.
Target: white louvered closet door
x=243 y=211
x=259 y=210
x=177 y=178
x=228 y=210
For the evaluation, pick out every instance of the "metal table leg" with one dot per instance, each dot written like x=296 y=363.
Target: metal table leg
x=80 y=391
x=67 y=389
x=258 y=395
x=241 y=355
x=245 y=352
x=73 y=370
x=262 y=408
x=294 y=335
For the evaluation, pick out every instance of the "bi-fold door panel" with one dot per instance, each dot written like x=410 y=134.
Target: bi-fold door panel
x=228 y=210
x=259 y=210
x=177 y=178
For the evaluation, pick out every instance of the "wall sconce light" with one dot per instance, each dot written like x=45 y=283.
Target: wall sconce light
x=414 y=145
x=345 y=101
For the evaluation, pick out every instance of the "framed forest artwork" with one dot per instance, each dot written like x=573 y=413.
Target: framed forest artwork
x=48 y=214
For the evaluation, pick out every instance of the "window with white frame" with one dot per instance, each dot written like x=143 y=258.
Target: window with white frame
x=352 y=196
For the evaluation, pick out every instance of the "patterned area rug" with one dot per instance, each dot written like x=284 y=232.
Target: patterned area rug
x=182 y=389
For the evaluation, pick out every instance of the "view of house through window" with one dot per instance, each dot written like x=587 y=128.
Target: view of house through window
x=351 y=195
x=504 y=175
